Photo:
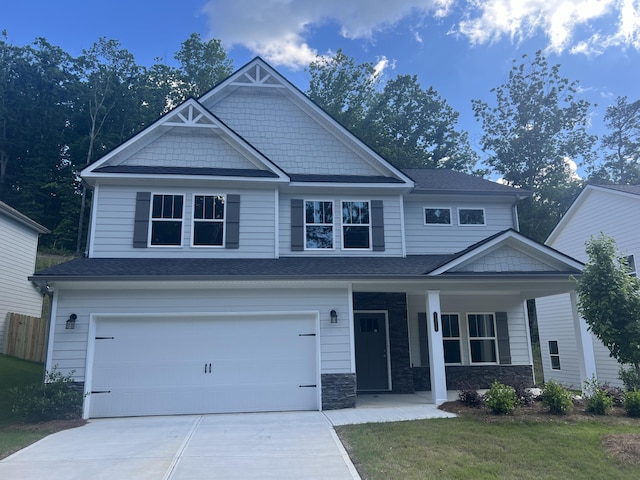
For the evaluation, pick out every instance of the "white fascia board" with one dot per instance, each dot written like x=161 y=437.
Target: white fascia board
x=568 y=214
x=188 y=178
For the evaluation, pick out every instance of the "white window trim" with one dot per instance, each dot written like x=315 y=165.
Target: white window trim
x=424 y=217
x=151 y=220
x=194 y=220
x=459 y=337
x=484 y=218
x=332 y=225
x=495 y=339
x=342 y=225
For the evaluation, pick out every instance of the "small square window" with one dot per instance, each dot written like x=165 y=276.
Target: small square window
x=471 y=216
x=437 y=216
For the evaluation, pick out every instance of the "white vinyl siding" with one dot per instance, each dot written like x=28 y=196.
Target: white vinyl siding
x=113 y=228
x=434 y=239
x=17 y=262
x=392 y=226
x=69 y=348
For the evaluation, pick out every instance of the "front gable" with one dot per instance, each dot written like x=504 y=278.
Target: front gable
x=509 y=252
x=291 y=130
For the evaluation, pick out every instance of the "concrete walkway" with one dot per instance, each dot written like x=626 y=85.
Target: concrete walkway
x=282 y=445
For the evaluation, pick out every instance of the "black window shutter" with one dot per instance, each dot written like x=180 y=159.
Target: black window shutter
x=377 y=225
x=233 y=222
x=141 y=220
x=504 y=348
x=297 y=225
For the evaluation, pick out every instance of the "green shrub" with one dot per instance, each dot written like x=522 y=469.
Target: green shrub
x=58 y=398
x=501 y=399
x=632 y=403
x=556 y=398
x=630 y=378
x=597 y=398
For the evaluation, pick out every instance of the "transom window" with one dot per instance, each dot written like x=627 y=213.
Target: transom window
x=451 y=338
x=208 y=220
x=482 y=337
x=554 y=354
x=356 y=225
x=437 y=216
x=166 y=220
x=318 y=224
x=471 y=216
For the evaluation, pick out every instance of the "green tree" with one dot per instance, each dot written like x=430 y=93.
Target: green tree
x=406 y=124
x=202 y=65
x=536 y=126
x=610 y=301
x=622 y=144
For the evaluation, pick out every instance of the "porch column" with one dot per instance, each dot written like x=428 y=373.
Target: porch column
x=436 y=349
x=584 y=343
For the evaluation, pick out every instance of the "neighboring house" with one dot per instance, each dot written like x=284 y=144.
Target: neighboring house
x=608 y=209
x=19 y=240
x=247 y=253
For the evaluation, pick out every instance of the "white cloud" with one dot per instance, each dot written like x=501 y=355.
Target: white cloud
x=280 y=30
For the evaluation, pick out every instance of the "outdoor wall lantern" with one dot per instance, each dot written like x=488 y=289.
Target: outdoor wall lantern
x=71 y=323
x=334 y=316
x=435 y=321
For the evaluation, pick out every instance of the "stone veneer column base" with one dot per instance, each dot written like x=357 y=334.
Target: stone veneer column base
x=477 y=376
x=338 y=390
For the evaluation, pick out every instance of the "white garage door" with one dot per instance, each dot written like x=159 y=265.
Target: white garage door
x=192 y=365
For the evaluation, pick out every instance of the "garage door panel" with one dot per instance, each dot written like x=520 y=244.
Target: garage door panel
x=161 y=366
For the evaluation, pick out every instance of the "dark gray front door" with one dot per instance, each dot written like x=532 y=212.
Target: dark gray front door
x=372 y=366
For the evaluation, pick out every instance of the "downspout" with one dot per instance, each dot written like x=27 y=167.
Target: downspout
x=514 y=209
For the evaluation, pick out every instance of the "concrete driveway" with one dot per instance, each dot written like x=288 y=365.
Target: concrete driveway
x=288 y=445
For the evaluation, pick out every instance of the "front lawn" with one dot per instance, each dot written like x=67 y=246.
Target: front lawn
x=483 y=446
x=13 y=434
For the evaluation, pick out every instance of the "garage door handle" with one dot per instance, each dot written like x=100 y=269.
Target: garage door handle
x=307 y=386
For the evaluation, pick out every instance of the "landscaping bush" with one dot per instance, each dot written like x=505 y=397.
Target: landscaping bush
x=597 y=398
x=630 y=378
x=501 y=399
x=556 y=398
x=632 y=403
x=56 y=399
x=470 y=397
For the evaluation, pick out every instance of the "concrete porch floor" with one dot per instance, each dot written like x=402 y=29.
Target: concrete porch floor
x=389 y=407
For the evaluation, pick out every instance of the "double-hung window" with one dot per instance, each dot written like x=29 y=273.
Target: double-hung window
x=471 y=216
x=482 y=337
x=554 y=354
x=166 y=220
x=318 y=222
x=356 y=225
x=451 y=338
x=208 y=220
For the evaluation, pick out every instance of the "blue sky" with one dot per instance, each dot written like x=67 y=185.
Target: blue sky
x=462 y=48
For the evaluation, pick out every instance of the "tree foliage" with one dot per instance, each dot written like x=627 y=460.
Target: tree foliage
x=622 y=161
x=406 y=124
x=536 y=126
x=610 y=300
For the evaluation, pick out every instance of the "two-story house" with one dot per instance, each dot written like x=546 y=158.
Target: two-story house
x=247 y=253
x=571 y=354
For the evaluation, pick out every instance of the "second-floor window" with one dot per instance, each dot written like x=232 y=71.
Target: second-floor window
x=166 y=220
x=318 y=224
x=437 y=216
x=356 y=225
x=471 y=216
x=208 y=220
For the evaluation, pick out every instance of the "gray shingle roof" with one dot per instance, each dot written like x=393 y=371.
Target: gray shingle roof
x=634 y=189
x=217 y=172
x=440 y=180
x=210 y=268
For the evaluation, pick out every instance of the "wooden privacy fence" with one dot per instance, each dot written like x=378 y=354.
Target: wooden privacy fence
x=25 y=337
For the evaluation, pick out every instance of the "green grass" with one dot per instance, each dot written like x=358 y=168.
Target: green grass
x=16 y=373
x=473 y=447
